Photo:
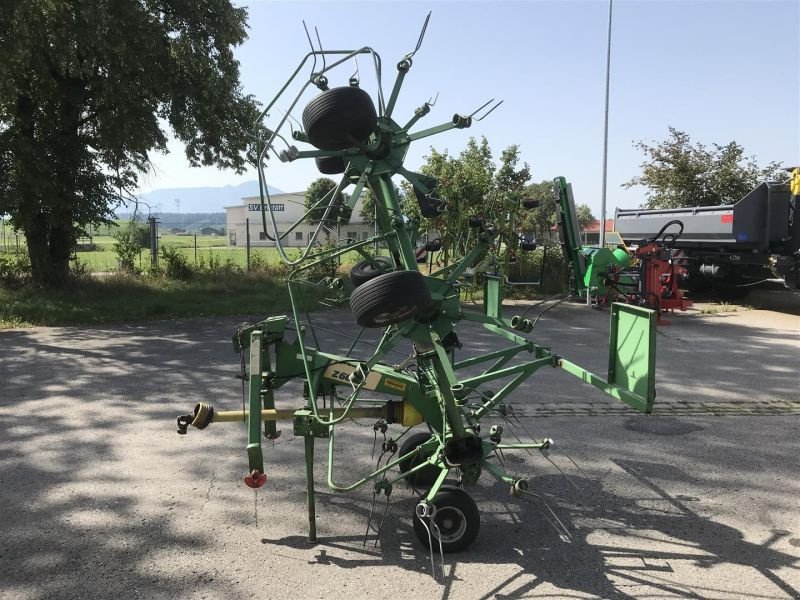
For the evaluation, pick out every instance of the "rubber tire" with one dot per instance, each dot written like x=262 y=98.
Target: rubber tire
x=330 y=165
x=389 y=298
x=424 y=478
x=453 y=505
x=363 y=271
x=340 y=118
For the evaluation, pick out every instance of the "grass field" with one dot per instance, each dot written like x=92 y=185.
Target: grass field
x=118 y=298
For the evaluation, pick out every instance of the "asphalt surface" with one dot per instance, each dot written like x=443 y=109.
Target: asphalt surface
x=99 y=498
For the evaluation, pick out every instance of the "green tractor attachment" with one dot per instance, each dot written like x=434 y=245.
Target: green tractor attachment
x=438 y=402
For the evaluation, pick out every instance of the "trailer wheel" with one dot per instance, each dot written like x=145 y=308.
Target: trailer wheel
x=340 y=118
x=389 y=298
x=365 y=270
x=425 y=477
x=457 y=519
x=330 y=165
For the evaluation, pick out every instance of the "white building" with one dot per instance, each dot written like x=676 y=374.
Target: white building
x=287 y=208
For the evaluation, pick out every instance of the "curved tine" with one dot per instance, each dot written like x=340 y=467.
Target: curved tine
x=381 y=103
x=480 y=108
x=293 y=120
x=355 y=78
x=316 y=31
x=432 y=102
x=313 y=50
x=421 y=36
x=491 y=110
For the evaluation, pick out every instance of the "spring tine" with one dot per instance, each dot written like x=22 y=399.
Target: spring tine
x=577 y=466
x=491 y=110
x=355 y=78
x=514 y=433
x=383 y=520
x=313 y=50
x=563 y=474
x=441 y=551
x=432 y=102
x=563 y=532
x=320 y=47
x=477 y=110
x=430 y=545
x=419 y=41
x=369 y=519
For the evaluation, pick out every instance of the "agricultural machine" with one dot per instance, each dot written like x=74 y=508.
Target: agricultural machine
x=430 y=408
x=733 y=246
x=651 y=275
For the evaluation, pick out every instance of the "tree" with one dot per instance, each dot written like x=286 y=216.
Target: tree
x=367 y=212
x=585 y=216
x=86 y=91
x=678 y=173
x=464 y=183
x=323 y=188
x=542 y=218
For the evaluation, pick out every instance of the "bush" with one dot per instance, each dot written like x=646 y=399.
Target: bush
x=176 y=265
x=529 y=268
x=15 y=270
x=128 y=243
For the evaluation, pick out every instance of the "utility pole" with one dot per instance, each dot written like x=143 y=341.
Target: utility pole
x=605 y=134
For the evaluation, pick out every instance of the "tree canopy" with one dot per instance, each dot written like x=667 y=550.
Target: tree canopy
x=88 y=91
x=678 y=173
x=473 y=185
x=319 y=189
x=584 y=214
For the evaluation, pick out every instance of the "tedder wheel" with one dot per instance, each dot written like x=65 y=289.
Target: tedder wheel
x=330 y=165
x=363 y=271
x=340 y=118
x=425 y=477
x=457 y=518
x=389 y=298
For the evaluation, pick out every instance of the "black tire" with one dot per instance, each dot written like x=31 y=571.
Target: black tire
x=363 y=271
x=389 y=298
x=457 y=518
x=340 y=118
x=425 y=477
x=330 y=165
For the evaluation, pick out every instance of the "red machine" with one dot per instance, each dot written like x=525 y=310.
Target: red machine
x=661 y=271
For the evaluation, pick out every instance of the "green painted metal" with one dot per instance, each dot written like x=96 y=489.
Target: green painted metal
x=254 y=455
x=632 y=352
x=451 y=396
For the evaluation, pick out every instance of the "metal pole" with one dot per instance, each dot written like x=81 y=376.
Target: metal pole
x=247 y=227
x=605 y=134
x=312 y=513
x=153 y=242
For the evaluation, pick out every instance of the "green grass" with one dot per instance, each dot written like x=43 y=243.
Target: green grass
x=120 y=299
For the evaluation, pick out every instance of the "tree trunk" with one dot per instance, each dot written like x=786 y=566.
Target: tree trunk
x=49 y=249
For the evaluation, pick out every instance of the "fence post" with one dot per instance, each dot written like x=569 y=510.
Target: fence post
x=247 y=228
x=153 y=242
x=541 y=271
x=195 y=248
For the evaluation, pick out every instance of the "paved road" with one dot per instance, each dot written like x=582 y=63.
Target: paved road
x=99 y=497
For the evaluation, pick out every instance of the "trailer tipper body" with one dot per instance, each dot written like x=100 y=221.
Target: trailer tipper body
x=756 y=238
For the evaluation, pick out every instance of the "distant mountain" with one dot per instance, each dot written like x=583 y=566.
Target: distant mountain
x=202 y=199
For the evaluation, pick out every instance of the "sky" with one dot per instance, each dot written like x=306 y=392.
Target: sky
x=718 y=70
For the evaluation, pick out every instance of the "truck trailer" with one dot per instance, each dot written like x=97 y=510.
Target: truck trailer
x=733 y=246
